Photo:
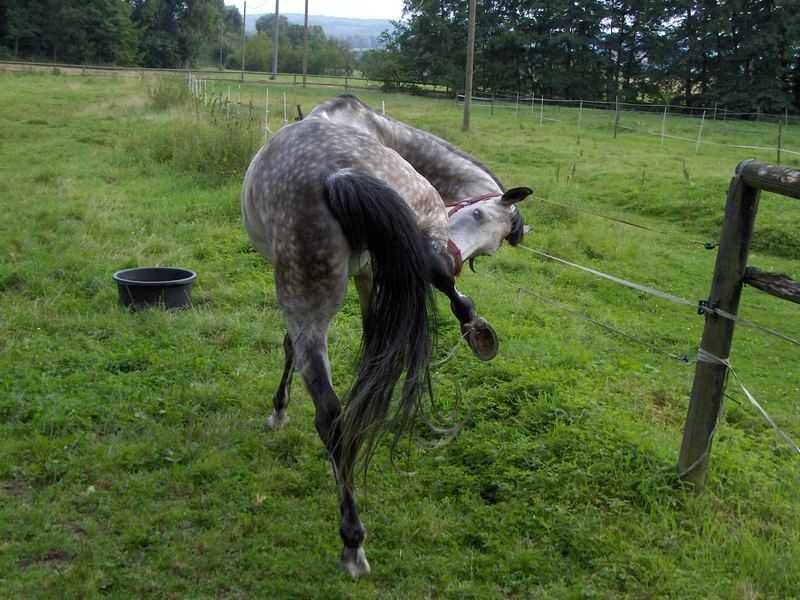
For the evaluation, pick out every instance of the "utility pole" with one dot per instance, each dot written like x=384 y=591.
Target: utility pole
x=220 y=42
x=470 y=63
x=275 y=32
x=244 y=34
x=305 y=47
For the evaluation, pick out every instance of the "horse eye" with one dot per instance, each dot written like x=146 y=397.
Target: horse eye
x=478 y=214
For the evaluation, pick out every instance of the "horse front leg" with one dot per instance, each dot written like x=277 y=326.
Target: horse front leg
x=480 y=336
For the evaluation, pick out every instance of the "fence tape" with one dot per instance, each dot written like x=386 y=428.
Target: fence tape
x=625 y=282
x=702 y=309
x=706 y=245
x=683 y=358
x=706 y=357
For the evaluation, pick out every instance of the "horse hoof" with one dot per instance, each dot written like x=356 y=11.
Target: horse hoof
x=277 y=421
x=482 y=338
x=354 y=561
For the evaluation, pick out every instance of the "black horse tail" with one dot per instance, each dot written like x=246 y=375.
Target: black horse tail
x=398 y=324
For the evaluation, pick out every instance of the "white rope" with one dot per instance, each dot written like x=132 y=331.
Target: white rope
x=625 y=282
x=679 y=357
x=706 y=357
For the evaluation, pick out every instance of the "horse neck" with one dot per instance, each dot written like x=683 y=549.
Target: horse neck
x=453 y=174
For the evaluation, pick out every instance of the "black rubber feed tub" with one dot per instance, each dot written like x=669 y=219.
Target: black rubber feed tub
x=169 y=287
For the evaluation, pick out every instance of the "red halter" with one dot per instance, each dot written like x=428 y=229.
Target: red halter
x=454 y=208
x=457 y=206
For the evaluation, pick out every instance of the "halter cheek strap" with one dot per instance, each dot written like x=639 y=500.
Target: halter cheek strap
x=453 y=209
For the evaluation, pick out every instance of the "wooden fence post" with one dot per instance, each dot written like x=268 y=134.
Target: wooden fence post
x=726 y=289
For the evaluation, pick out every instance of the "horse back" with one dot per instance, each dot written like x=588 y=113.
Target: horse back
x=284 y=189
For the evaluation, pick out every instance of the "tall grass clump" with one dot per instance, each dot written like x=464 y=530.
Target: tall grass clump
x=216 y=148
x=210 y=139
x=168 y=92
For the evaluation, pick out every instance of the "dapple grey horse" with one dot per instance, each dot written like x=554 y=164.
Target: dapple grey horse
x=348 y=192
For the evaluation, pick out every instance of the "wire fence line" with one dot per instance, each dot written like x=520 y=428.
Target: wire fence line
x=707 y=245
x=702 y=126
x=683 y=358
x=698 y=306
x=702 y=354
x=519 y=102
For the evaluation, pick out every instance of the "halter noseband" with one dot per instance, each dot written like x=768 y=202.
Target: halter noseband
x=453 y=209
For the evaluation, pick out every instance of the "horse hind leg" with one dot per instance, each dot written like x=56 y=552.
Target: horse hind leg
x=312 y=363
x=280 y=401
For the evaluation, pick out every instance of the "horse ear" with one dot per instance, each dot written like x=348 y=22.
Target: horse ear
x=515 y=195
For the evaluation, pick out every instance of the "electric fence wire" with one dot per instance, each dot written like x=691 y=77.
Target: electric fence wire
x=710 y=143
x=701 y=308
x=706 y=245
x=683 y=358
x=702 y=356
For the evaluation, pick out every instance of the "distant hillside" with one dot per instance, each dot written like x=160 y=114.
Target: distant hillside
x=361 y=33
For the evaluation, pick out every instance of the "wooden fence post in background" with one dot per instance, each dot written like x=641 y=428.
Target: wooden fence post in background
x=616 y=118
x=470 y=65
x=726 y=289
x=779 y=141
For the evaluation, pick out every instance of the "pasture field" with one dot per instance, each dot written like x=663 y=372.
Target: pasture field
x=135 y=459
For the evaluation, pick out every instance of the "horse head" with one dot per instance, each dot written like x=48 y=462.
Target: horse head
x=478 y=226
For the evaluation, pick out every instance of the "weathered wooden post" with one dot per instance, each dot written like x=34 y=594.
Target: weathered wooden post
x=726 y=287
x=470 y=65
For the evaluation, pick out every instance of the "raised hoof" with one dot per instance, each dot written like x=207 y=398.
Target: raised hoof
x=482 y=338
x=277 y=420
x=354 y=561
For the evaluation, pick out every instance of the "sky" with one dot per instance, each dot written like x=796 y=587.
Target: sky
x=358 y=9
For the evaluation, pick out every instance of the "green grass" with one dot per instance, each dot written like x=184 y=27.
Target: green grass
x=134 y=455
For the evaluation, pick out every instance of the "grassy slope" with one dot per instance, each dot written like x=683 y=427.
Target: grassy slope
x=134 y=457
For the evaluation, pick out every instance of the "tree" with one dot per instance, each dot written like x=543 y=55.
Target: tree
x=100 y=32
x=174 y=33
x=70 y=31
